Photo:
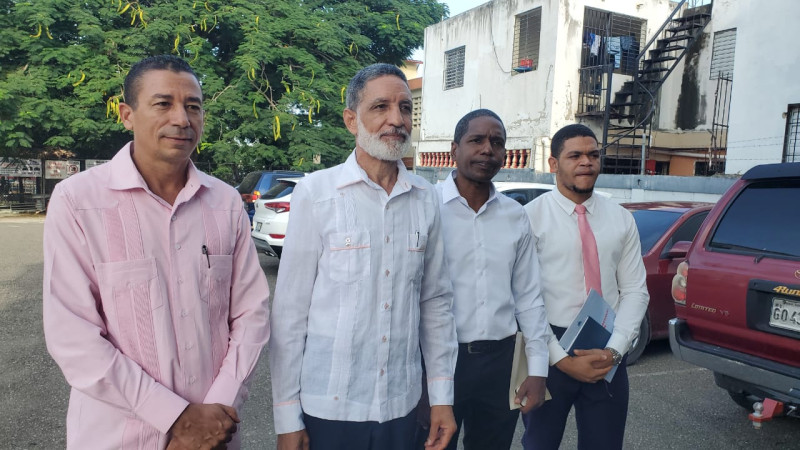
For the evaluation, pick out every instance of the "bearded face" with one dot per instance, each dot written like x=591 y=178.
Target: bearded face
x=386 y=145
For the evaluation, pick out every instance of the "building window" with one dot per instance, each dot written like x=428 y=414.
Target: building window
x=454 y=68
x=791 y=144
x=527 y=28
x=722 y=54
x=612 y=38
x=416 y=113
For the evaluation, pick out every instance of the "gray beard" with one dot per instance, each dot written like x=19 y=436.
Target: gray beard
x=375 y=147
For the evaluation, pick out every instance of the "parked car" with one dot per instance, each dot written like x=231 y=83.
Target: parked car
x=737 y=295
x=661 y=225
x=525 y=192
x=272 y=215
x=257 y=183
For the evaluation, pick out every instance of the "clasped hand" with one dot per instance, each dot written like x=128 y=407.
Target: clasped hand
x=206 y=427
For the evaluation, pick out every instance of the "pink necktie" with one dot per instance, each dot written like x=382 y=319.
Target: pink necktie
x=591 y=262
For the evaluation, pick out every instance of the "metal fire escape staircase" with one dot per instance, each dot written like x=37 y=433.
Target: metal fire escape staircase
x=628 y=117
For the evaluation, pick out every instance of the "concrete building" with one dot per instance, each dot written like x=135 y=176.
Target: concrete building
x=736 y=89
x=652 y=80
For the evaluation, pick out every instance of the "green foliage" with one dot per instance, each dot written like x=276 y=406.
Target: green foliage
x=272 y=71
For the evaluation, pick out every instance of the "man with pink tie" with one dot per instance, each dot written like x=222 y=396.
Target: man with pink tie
x=584 y=242
x=155 y=305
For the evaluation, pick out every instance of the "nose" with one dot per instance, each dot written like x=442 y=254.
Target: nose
x=179 y=116
x=395 y=116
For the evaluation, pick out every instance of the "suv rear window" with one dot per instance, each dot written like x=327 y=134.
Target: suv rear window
x=762 y=220
x=249 y=183
x=281 y=188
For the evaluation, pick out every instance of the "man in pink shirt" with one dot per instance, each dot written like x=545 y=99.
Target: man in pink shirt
x=155 y=305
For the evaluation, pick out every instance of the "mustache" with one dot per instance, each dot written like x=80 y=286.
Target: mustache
x=396 y=132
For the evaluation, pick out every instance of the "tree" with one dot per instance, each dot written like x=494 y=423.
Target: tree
x=273 y=71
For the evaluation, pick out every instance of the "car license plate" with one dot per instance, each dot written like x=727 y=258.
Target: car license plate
x=785 y=314
x=258 y=226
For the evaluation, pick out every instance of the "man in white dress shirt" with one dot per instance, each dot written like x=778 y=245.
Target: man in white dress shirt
x=362 y=288
x=495 y=275
x=601 y=407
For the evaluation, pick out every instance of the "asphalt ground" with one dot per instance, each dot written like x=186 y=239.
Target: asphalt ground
x=673 y=405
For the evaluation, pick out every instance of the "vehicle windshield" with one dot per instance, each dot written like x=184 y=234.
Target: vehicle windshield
x=652 y=225
x=281 y=188
x=762 y=220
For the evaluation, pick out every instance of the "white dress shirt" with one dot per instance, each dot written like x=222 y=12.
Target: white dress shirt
x=361 y=287
x=494 y=271
x=555 y=232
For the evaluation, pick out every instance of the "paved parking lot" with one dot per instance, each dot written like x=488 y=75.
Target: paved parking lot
x=673 y=405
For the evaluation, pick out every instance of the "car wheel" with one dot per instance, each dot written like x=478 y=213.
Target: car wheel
x=277 y=250
x=641 y=341
x=744 y=399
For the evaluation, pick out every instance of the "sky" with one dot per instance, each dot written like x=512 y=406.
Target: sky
x=456 y=7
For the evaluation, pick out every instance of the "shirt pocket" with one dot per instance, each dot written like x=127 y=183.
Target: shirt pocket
x=417 y=244
x=215 y=279
x=215 y=292
x=131 y=292
x=350 y=256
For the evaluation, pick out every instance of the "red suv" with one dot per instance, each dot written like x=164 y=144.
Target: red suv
x=737 y=295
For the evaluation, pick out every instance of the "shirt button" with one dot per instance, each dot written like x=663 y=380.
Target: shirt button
x=385 y=306
x=387 y=272
x=177 y=246
x=180 y=280
x=336 y=397
x=382 y=372
x=387 y=239
x=384 y=339
x=174 y=218
x=188 y=346
x=184 y=313
x=192 y=379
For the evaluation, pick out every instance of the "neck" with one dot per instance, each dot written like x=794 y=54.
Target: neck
x=475 y=193
x=164 y=179
x=384 y=173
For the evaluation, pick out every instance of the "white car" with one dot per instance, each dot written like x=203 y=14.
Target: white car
x=524 y=192
x=272 y=215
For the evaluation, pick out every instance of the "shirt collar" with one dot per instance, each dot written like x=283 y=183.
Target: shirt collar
x=125 y=175
x=568 y=205
x=353 y=173
x=450 y=190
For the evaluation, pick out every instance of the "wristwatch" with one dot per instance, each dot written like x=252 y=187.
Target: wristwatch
x=615 y=356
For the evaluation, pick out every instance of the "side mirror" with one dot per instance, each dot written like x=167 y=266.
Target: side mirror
x=679 y=249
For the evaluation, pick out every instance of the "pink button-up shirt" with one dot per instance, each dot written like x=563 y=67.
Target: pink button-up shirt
x=149 y=306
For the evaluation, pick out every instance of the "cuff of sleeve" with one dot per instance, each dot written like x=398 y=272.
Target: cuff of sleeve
x=161 y=408
x=618 y=343
x=557 y=353
x=440 y=391
x=537 y=367
x=224 y=390
x=288 y=417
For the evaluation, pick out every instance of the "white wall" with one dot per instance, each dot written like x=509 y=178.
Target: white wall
x=533 y=105
x=766 y=64
x=765 y=82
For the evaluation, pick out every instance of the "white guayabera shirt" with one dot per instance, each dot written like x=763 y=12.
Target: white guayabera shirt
x=362 y=287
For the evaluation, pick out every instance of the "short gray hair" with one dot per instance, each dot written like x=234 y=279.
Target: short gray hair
x=365 y=75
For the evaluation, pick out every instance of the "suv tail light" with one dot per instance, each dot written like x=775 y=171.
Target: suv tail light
x=251 y=198
x=278 y=207
x=679 y=283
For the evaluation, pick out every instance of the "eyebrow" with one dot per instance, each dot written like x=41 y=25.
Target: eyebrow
x=170 y=97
